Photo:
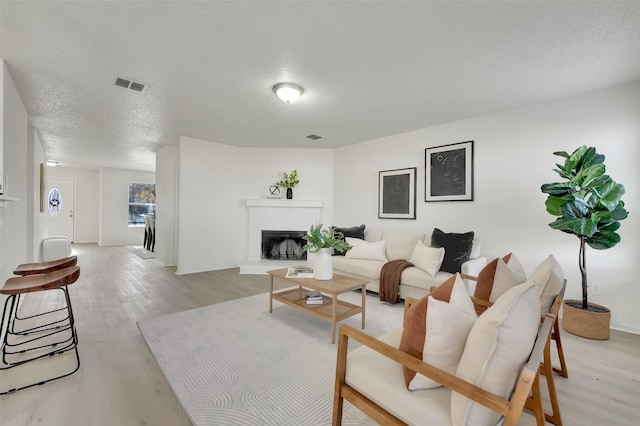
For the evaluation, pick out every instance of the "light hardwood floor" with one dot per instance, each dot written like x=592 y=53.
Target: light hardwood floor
x=119 y=382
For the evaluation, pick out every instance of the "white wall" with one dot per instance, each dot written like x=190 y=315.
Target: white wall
x=114 y=207
x=87 y=211
x=36 y=231
x=215 y=180
x=513 y=158
x=13 y=216
x=167 y=165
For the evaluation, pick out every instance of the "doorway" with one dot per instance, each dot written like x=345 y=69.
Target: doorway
x=60 y=203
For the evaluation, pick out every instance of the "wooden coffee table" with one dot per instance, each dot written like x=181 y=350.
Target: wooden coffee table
x=333 y=309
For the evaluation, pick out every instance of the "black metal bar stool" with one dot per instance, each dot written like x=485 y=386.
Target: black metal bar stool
x=19 y=352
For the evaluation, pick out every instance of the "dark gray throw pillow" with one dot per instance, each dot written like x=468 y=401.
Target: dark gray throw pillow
x=457 y=248
x=353 y=232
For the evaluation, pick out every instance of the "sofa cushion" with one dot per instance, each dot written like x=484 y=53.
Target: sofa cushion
x=415 y=324
x=447 y=328
x=416 y=277
x=353 y=232
x=426 y=258
x=494 y=280
x=369 y=269
x=548 y=279
x=457 y=248
x=380 y=379
x=369 y=250
x=400 y=245
x=497 y=347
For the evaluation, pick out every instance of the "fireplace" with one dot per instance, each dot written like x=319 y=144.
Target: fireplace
x=283 y=245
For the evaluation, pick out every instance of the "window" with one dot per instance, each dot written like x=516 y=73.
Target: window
x=142 y=200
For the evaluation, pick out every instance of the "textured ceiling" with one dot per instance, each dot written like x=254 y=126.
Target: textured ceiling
x=369 y=69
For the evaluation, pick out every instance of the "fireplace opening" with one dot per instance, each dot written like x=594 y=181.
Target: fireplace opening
x=283 y=245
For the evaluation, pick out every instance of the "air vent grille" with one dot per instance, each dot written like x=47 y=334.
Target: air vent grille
x=122 y=82
x=314 y=137
x=128 y=84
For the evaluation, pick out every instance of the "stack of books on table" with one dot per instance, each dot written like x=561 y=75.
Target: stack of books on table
x=313 y=298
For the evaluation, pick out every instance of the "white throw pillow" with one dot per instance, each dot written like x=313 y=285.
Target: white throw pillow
x=497 y=347
x=504 y=279
x=516 y=267
x=447 y=328
x=426 y=258
x=548 y=278
x=361 y=249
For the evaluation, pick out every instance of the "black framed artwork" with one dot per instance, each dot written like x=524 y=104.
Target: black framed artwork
x=449 y=172
x=397 y=194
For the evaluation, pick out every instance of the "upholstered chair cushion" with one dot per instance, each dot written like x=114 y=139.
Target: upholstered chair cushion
x=426 y=258
x=548 y=279
x=457 y=248
x=497 y=347
x=361 y=249
x=353 y=232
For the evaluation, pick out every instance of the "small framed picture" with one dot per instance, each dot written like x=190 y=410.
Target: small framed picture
x=397 y=194
x=449 y=172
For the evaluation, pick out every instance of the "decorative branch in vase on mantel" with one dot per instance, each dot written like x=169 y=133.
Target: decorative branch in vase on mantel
x=289 y=181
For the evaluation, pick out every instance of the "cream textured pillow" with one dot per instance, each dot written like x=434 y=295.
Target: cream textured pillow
x=447 y=328
x=361 y=249
x=494 y=280
x=497 y=347
x=426 y=258
x=516 y=267
x=548 y=278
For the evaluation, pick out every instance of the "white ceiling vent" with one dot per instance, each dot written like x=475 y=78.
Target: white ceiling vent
x=128 y=84
x=314 y=137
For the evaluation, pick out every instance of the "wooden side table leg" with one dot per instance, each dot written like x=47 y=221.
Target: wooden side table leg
x=334 y=305
x=364 y=302
x=271 y=294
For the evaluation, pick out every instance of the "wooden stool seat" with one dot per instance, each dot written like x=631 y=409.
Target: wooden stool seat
x=43 y=340
x=48 y=281
x=44 y=267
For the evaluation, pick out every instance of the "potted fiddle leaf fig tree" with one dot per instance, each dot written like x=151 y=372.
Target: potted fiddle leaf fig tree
x=321 y=241
x=587 y=204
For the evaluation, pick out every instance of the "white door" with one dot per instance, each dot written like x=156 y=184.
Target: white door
x=60 y=204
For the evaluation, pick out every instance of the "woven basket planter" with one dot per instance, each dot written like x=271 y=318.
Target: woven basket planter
x=592 y=325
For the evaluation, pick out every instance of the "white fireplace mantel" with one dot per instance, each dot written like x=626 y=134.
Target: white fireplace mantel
x=279 y=202
x=276 y=214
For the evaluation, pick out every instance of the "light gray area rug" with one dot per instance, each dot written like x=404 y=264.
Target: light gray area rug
x=233 y=363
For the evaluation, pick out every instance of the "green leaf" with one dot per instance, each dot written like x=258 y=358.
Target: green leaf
x=610 y=194
x=553 y=205
x=563 y=154
x=619 y=213
x=603 y=240
x=579 y=226
x=586 y=175
x=574 y=209
x=557 y=189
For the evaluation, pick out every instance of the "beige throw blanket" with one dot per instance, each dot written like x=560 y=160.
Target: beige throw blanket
x=390 y=279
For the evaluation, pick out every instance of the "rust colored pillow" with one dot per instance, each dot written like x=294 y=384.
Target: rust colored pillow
x=415 y=328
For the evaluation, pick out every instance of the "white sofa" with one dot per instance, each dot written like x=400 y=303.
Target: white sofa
x=414 y=282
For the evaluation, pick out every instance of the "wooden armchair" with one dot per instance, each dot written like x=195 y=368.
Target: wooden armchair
x=511 y=408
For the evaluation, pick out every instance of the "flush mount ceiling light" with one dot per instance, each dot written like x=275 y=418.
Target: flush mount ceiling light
x=52 y=163
x=288 y=92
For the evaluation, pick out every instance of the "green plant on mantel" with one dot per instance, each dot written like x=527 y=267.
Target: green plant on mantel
x=318 y=238
x=588 y=204
x=289 y=180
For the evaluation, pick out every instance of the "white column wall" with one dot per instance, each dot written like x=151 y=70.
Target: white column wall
x=513 y=158
x=215 y=181
x=114 y=206
x=167 y=165
x=87 y=211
